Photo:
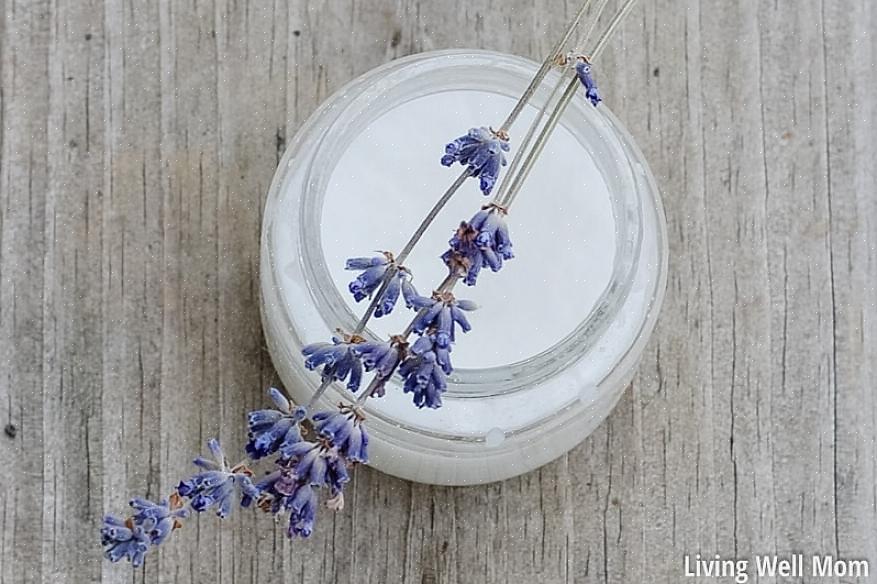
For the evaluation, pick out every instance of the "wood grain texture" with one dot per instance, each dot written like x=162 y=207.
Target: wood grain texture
x=137 y=142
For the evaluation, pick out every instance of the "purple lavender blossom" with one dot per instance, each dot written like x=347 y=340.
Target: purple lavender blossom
x=149 y=526
x=426 y=369
x=373 y=271
x=425 y=379
x=216 y=485
x=274 y=429
x=158 y=519
x=483 y=241
x=442 y=312
x=481 y=149
x=409 y=292
x=121 y=541
x=283 y=490
x=391 y=295
x=382 y=358
x=346 y=431
x=434 y=343
x=586 y=76
x=338 y=359
x=302 y=505
x=320 y=464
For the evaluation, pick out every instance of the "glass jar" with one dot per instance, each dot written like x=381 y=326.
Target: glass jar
x=562 y=327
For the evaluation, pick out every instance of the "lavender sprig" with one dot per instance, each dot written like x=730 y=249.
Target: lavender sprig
x=314 y=454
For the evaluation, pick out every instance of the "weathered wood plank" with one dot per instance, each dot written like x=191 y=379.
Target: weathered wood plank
x=849 y=53
x=137 y=142
x=25 y=32
x=132 y=225
x=73 y=327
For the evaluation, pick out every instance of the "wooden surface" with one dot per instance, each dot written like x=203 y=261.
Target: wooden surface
x=137 y=142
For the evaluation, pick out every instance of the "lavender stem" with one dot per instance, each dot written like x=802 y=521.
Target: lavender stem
x=525 y=143
x=324 y=385
x=430 y=217
x=543 y=70
x=500 y=199
x=561 y=106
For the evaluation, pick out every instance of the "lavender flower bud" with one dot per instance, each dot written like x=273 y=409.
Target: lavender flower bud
x=274 y=429
x=481 y=149
x=585 y=75
x=425 y=379
x=148 y=526
x=121 y=541
x=345 y=431
x=157 y=519
x=302 y=512
x=483 y=241
x=217 y=484
x=374 y=271
x=338 y=360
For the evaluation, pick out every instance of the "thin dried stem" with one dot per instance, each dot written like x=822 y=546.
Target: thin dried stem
x=583 y=40
x=324 y=385
x=561 y=106
x=543 y=70
x=613 y=26
x=500 y=199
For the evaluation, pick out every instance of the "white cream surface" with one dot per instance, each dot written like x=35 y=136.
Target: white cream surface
x=561 y=225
